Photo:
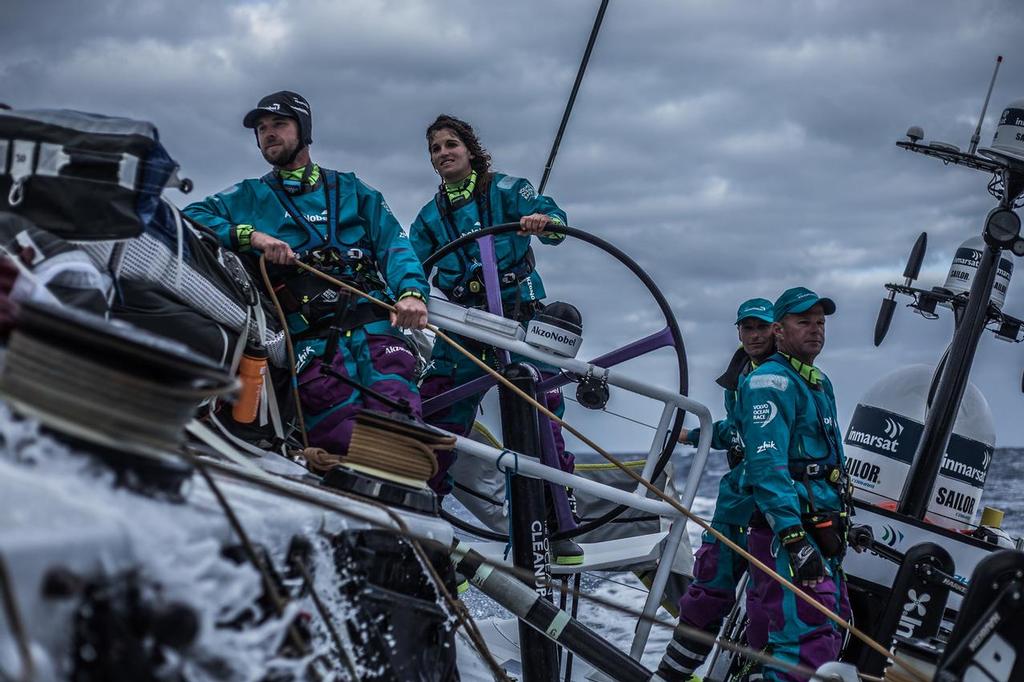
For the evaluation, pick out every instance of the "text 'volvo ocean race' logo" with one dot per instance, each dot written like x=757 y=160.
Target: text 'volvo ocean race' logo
x=764 y=413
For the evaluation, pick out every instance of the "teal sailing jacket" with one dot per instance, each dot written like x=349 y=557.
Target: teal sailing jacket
x=361 y=220
x=507 y=200
x=787 y=422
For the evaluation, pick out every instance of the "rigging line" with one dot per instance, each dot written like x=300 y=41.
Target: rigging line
x=525 y=575
x=572 y=96
x=456 y=606
x=291 y=350
x=343 y=653
x=595 y=576
x=16 y=626
x=616 y=414
x=269 y=587
x=661 y=495
x=279 y=602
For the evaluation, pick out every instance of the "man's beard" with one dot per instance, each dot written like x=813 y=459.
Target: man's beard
x=281 y=155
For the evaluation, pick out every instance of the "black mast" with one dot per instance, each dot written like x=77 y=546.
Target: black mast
x=945 y=405
x=572 y=96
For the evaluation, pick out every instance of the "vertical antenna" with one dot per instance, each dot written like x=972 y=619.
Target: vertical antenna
x=977 y=131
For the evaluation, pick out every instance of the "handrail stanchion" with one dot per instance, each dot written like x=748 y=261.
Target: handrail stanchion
x=664 y=424
x=672 y=542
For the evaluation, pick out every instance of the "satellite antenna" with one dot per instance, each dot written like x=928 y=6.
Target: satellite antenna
x=950 y=153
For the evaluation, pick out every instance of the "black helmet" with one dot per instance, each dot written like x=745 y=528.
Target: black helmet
x=285 y=103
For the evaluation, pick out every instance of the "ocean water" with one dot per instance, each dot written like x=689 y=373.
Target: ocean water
x=1004 y=488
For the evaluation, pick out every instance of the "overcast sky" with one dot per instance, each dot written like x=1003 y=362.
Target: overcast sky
x=733 y=149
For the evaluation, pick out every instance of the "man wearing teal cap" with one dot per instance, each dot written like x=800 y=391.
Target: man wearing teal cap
x=717 y=569
x=796 y=471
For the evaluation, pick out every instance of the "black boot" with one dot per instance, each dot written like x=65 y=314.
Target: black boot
x=682 y=657
x=566 y=552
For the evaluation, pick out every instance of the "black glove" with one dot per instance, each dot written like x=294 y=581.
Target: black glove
x=861 y=537
x=805 y=560
x=734 y=456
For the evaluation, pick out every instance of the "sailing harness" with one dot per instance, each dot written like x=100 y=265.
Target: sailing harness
x=828 y=528
x=470 y=290
x=314 y=303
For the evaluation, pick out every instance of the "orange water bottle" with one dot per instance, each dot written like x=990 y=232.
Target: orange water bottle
x=251 y=372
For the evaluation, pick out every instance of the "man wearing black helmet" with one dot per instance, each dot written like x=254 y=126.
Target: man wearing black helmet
x=300 y=210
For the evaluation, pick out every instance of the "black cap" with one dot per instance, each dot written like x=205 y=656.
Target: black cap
x=284 y=103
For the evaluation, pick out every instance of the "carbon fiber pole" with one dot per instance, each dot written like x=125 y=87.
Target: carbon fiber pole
x=938 y=427
x=520 y=430
x=572 y=96
x=547 y=618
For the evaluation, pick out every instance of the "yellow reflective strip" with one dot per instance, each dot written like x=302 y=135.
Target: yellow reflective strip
x=490 y=437
x=638 y=464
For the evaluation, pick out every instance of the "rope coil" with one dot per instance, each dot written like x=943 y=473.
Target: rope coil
x=387 y=447
x=105 y=403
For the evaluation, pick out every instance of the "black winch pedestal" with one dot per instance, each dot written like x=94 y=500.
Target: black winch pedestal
x=917 y=601
x=985 y=643
x=521 y=433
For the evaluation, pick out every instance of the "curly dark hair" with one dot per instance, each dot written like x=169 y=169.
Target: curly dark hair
x=481 y=161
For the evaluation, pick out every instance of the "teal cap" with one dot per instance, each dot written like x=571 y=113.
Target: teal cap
x=761 y=308
x=800 y=300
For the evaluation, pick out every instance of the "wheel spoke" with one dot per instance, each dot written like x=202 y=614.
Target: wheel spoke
x=618 y=356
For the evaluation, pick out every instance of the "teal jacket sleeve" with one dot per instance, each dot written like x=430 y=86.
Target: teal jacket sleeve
x=422 y=238
x=396 y=259
x=767 y=412
x=527 y=202
x=721 y=435
x=222 y=213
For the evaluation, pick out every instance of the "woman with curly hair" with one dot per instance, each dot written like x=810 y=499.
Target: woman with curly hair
x=472 y=196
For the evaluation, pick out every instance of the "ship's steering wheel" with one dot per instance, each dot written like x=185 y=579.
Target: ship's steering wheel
x=668 y=336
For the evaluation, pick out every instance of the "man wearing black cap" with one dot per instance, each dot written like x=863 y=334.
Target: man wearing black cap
x=796 y=470
x=344 y=226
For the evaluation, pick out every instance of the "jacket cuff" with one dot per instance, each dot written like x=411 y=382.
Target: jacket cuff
x=415 y=293
x=693 y=436
x=242 y=237
x=791 y=534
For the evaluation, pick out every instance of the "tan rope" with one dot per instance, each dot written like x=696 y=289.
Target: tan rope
x=288 y=344
x=318 y=460
x=786 y=584
x=383 y=447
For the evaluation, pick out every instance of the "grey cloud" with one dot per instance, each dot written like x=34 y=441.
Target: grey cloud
x=732 y=148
